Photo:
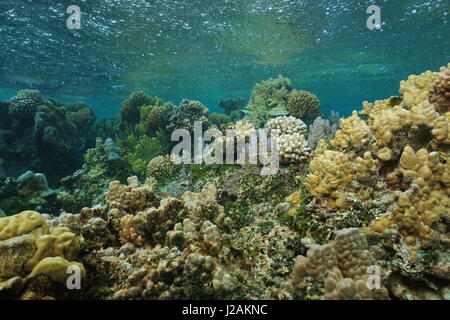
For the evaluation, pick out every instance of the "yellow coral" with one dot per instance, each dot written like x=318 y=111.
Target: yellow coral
x=21 y=223
x=352 y=130
x=417 y=88
x=57 y=269
x=59 y=242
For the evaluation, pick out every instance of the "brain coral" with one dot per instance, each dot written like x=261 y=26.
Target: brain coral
x=24 y=104
x=304 y=105
x=186 y=114
x=160 y=167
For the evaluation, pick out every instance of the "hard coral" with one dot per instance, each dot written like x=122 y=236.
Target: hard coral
x=160 y=167
x=441 y=96
x=304 y=105
x=23 y=105
x=129 y=113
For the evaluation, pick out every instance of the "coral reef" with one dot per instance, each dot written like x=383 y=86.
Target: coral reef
x=441 y=96
x=129 y=112
x=357 y=213
x=160 y=167
x=231 y=104
x=46 y=137
x=342 y=267
x=395 y=158
x=219 y=120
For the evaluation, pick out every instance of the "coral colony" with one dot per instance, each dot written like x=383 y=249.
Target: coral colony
x=168 y=202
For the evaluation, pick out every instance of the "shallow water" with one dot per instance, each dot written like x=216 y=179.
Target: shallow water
x=207 y=50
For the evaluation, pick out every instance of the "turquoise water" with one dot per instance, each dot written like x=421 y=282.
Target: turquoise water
x=207 y=50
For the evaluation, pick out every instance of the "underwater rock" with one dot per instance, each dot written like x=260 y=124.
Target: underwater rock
x=33 y=185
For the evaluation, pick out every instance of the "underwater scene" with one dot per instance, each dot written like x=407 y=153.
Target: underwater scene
x=224 y=150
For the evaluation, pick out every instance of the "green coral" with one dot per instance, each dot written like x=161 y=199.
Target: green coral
x=231 y=104
x=140 y=150
x=269 y=99
x=304 y=105
x=157 y=118
x=130 y=113
x=219 y=119
x=186 y=114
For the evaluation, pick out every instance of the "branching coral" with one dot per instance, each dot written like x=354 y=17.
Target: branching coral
x=352 y=131
x=441 y=96
x=320 y=129
x=286 y=125
x=131 y=198
x=330 y=173
x=293 y=148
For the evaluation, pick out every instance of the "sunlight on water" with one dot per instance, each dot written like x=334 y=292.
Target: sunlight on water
x=208 y=50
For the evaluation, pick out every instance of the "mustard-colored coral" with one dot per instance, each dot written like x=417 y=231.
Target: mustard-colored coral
x=57 y=269
x=353 y=130
x=130 y=232
x=39 y=241
x=330 y=173
x=21 y=223
x=59 y=242
x=129 y=198
x=417 y=88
